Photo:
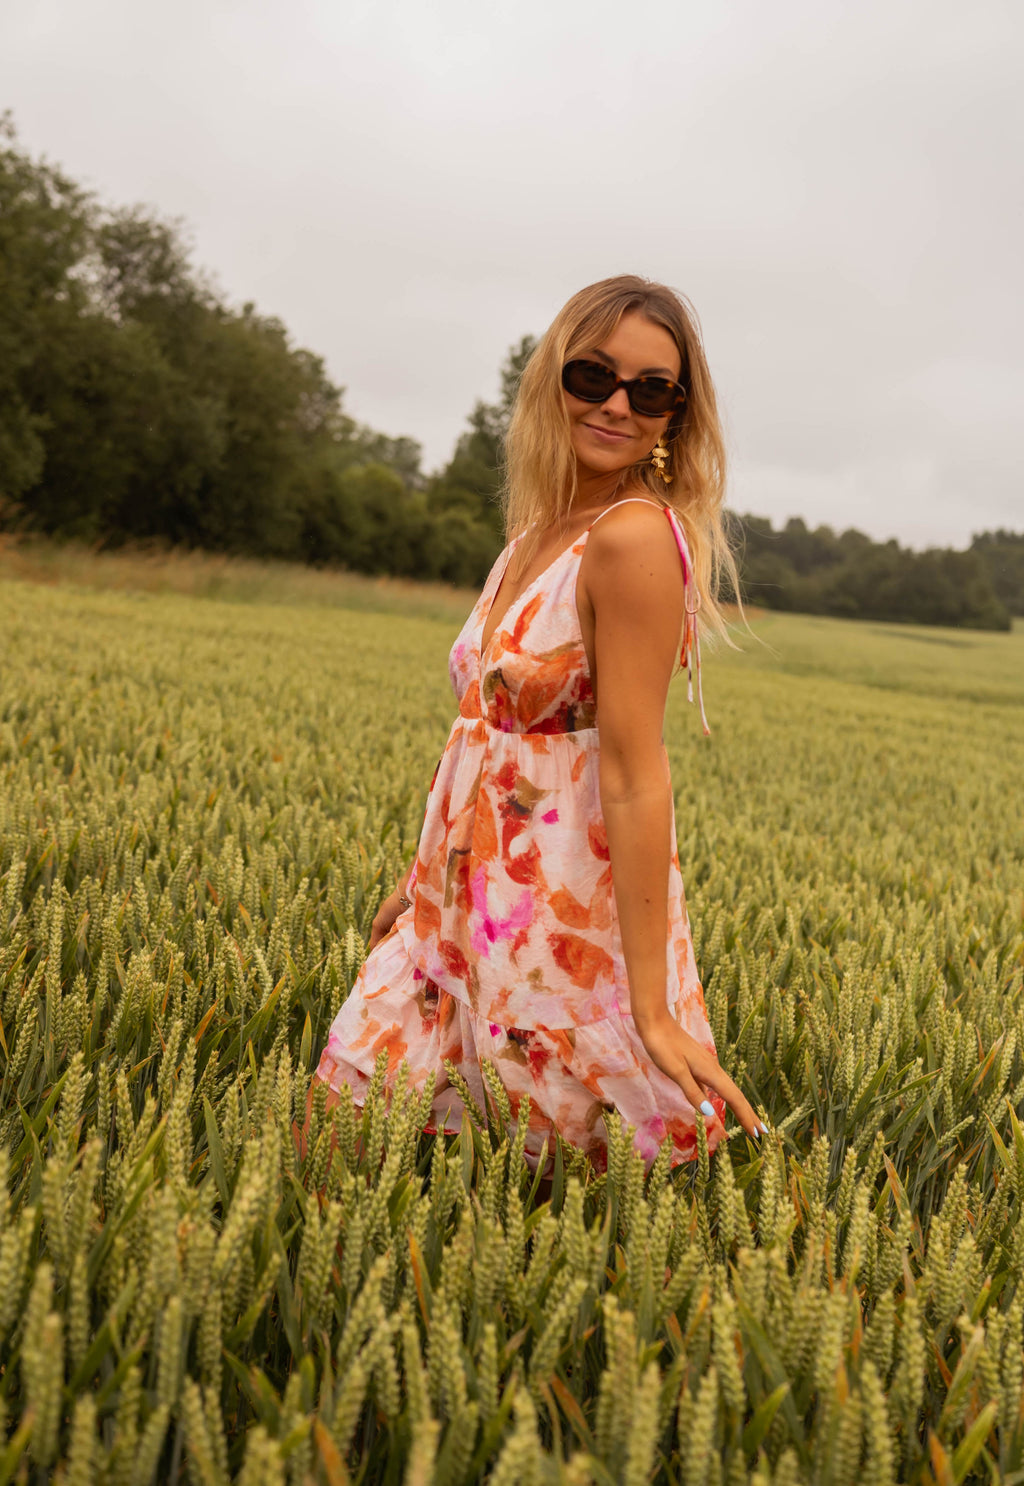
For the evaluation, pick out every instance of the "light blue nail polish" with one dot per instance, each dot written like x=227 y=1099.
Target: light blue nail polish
x=757 y=1133
x=708 y=1109
x=764 y=1129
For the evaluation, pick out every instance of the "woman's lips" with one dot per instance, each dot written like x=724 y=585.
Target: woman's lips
x=607 y=434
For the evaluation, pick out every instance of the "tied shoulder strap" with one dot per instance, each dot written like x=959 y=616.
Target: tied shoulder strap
x=689 y=655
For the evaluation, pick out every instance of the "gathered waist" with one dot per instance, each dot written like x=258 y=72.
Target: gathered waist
x=547 y=727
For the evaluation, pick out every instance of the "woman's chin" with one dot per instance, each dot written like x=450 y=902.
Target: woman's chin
x=598 y=462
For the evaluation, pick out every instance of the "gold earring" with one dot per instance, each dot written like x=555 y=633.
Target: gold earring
x=659 y=454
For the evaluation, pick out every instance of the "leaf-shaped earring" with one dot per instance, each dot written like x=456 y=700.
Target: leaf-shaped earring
x=659 y=454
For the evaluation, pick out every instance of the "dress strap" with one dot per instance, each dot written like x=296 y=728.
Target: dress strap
x=689 y=655
x=626 y=500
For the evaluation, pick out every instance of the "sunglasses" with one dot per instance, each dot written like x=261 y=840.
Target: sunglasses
x=592 y=381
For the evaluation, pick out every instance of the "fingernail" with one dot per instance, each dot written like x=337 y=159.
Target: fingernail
x=757 y=1132
x=763 y=1129
x=708 y=1109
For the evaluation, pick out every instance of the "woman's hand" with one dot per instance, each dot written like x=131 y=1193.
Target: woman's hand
x=695 y=1070
x=387 y=913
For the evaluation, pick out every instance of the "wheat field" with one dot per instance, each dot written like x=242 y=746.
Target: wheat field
x=201 y=804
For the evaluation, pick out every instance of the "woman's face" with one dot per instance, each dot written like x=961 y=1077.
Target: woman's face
x=609 y=436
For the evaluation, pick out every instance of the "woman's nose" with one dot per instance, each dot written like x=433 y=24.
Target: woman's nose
x=618 y=403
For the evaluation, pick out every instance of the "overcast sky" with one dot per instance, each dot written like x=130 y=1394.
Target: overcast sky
x=413 y=184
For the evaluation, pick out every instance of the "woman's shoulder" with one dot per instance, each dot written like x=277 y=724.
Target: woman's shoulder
x=635 y=526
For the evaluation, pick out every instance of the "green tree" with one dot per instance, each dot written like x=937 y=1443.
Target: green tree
x=472 y=479
x=364 y=517
x=1002 y=552
x=44 y=228
x=362 y=445
x=134 y=403
x=851 y=576
x=116 y=417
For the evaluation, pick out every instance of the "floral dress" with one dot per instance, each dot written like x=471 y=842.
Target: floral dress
x=511 y=950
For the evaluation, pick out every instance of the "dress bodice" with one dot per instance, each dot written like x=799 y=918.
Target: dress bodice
x=532 y=676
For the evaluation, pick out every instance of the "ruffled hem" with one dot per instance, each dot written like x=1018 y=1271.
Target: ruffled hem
x=576 y=1078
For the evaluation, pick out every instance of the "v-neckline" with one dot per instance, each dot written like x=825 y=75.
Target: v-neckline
x=484 y=649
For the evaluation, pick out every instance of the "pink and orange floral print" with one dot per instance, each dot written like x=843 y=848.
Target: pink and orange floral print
x=511 y=950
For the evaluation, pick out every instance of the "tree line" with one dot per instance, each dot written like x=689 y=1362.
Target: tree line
x=137 y=404
x=850 y=576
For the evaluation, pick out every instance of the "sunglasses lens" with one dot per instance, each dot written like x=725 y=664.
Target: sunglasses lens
x=588 y=380
x=653 y=397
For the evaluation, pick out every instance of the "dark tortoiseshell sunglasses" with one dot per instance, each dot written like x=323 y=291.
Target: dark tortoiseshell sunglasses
x=592 y=381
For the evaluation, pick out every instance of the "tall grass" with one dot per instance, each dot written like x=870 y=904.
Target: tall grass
x=200 y=805
x=157 y=568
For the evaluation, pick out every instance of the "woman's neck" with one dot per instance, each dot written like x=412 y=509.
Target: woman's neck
x=597 y=488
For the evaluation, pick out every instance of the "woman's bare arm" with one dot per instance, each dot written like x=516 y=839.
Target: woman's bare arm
x=387 y=913
x=634 y=586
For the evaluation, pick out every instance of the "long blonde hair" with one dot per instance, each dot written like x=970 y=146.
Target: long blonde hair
x=540 y=466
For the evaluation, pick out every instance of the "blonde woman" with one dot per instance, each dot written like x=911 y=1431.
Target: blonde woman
x=542 y=924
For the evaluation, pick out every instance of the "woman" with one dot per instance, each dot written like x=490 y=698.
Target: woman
x=505 y=940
